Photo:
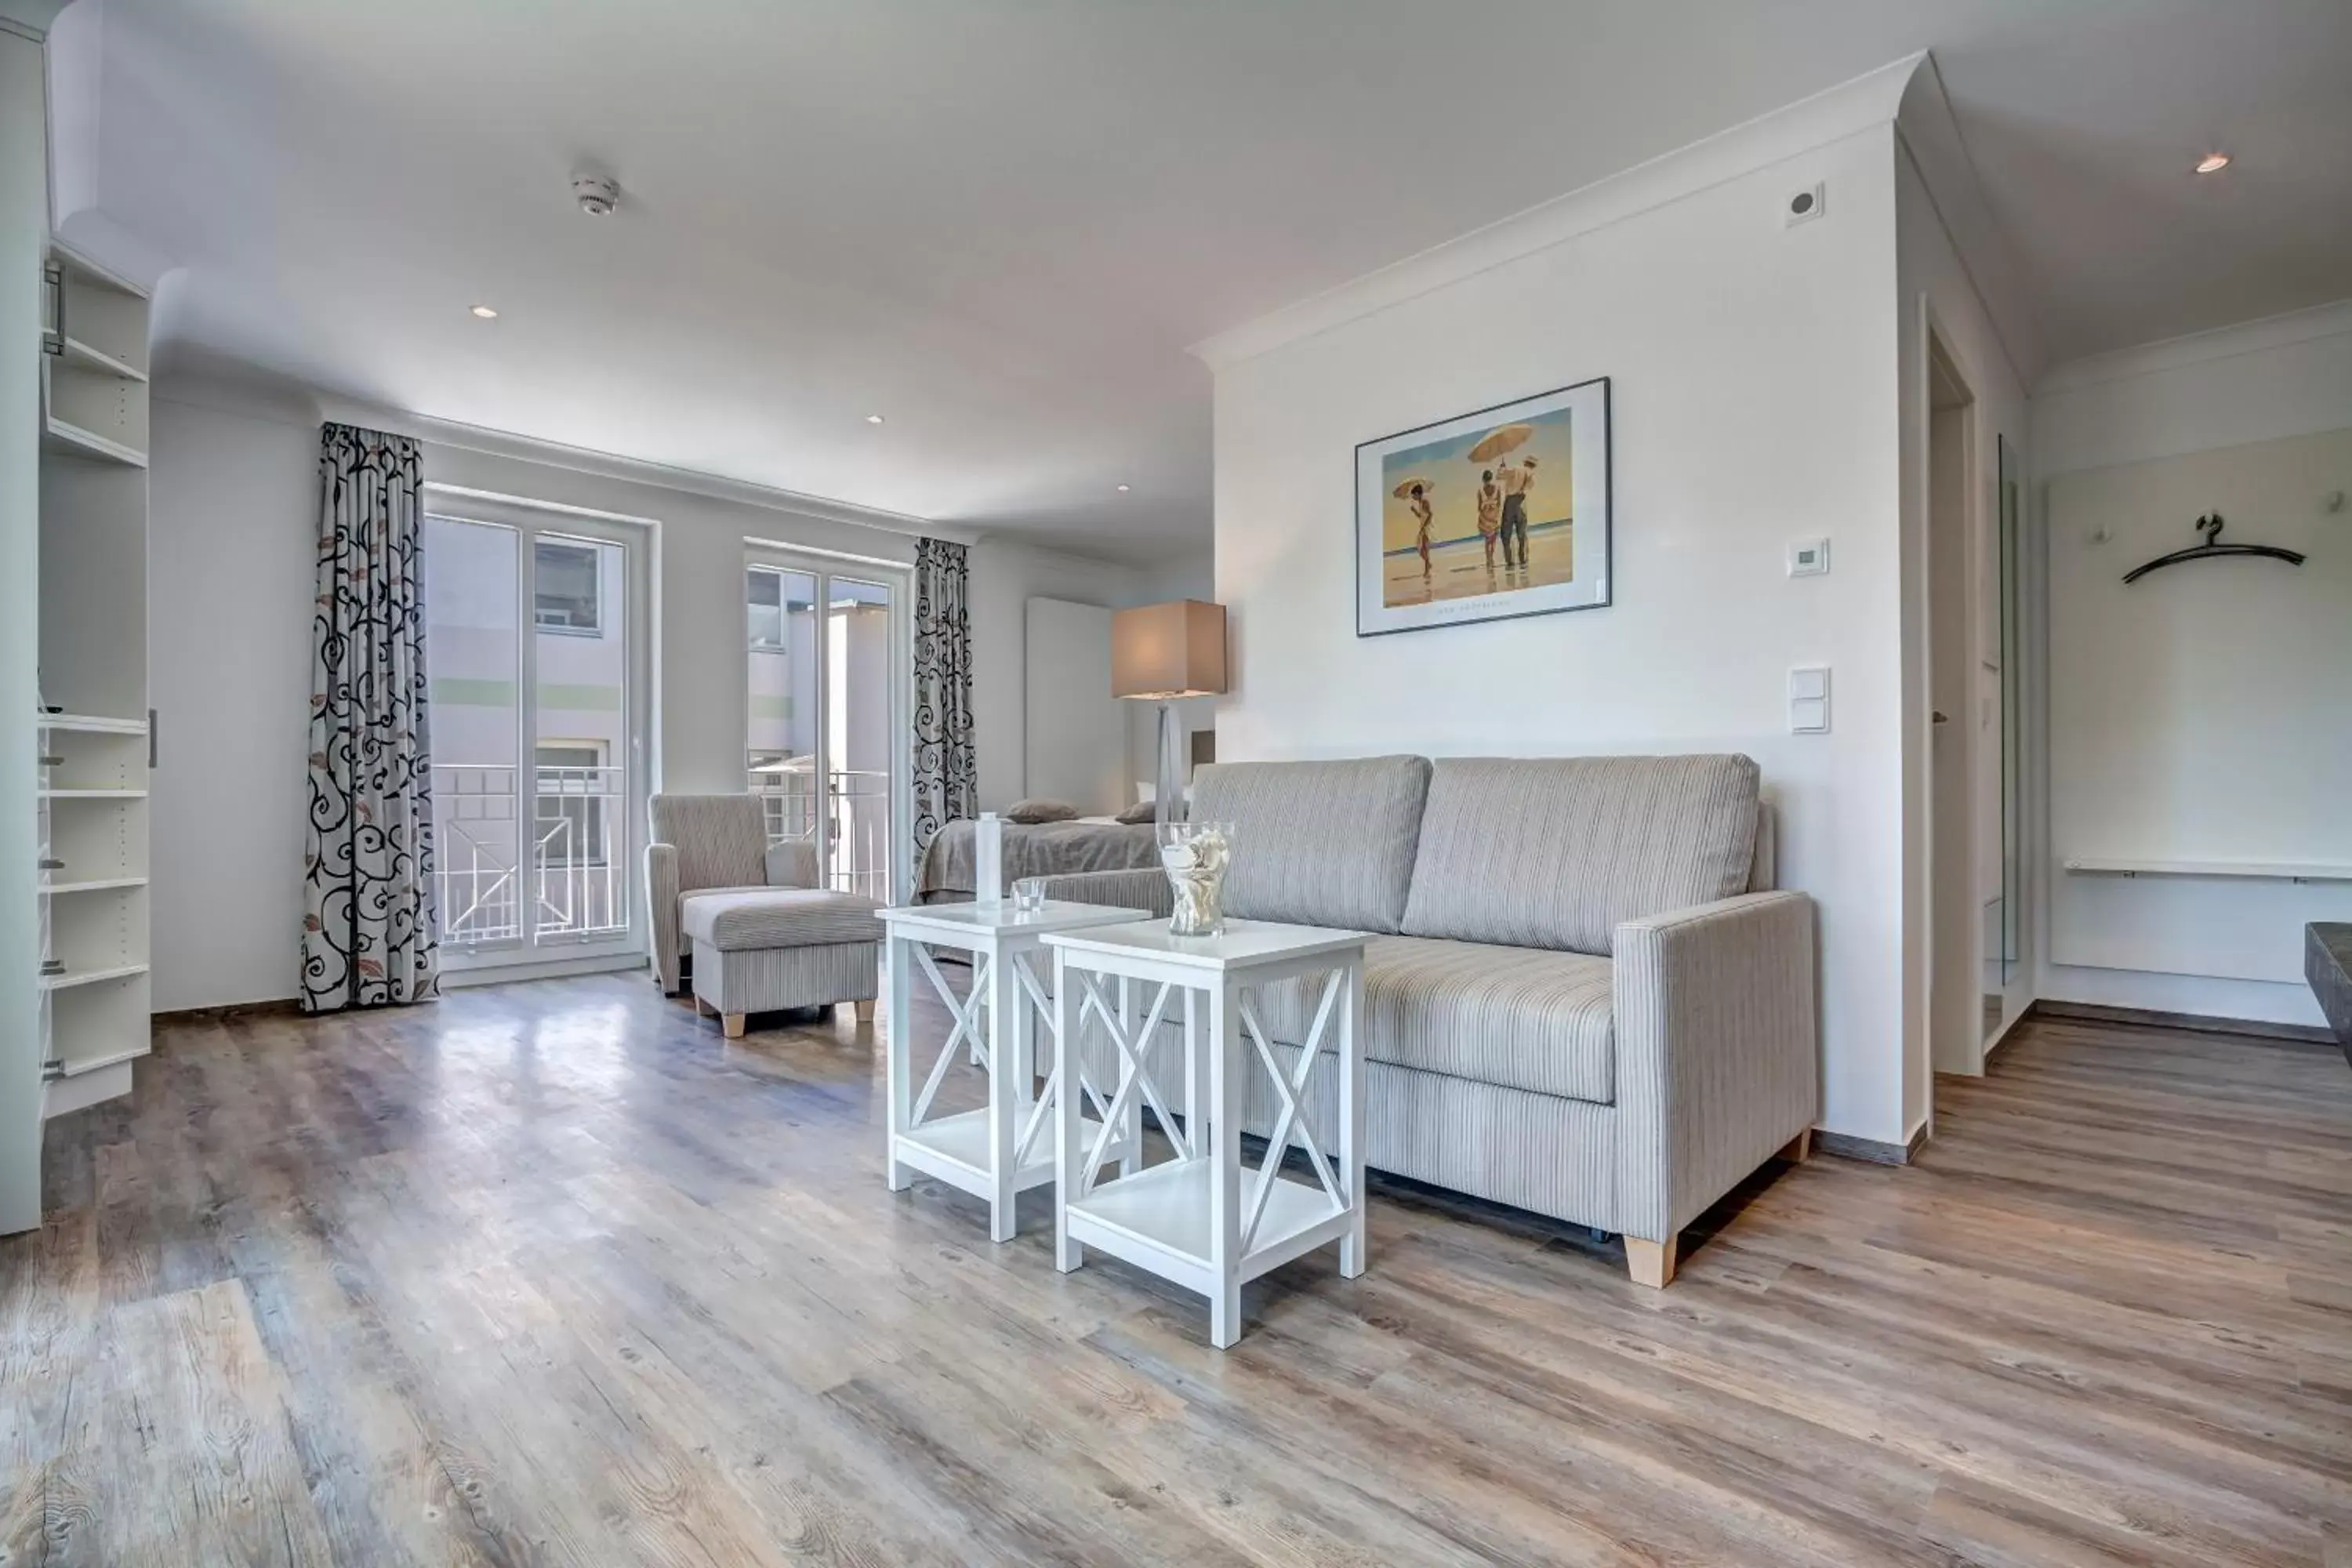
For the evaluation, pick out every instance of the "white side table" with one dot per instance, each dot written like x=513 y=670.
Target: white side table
x=1203 y=1219
x=999 y=1151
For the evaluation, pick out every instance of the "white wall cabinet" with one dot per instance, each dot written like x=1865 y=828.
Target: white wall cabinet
x=95 y=748
x=74 y=756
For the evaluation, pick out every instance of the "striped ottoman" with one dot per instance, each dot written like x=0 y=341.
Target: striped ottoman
x=758 y=949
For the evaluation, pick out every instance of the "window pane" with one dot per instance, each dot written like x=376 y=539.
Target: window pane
x=474 y=650
x=781 y=621
x=579 y=816
x=566 y=593
x=857 y=623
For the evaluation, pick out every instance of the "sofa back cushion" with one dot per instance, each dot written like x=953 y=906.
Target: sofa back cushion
x=722 y=839
x=1327 y=844
x=1554 y=852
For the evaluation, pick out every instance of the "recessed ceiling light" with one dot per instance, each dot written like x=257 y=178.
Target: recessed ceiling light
x=486 y=313
x=874 y=419
x=1122 y=490
x=2212 y=163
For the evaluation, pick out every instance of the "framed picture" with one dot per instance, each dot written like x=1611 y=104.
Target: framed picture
x=1490 y=515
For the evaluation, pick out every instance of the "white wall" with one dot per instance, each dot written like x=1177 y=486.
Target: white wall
x=234 y=498
x=1753 y=381
x=2267 y=381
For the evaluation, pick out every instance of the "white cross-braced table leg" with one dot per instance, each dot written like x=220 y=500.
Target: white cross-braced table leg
x=898 y=1063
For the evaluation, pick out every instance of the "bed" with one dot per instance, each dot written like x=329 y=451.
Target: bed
x=1043 y=849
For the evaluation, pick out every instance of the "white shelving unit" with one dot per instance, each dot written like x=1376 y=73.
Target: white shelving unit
x=91 y=888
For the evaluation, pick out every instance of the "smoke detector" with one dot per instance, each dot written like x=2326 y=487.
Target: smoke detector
x=597 y=193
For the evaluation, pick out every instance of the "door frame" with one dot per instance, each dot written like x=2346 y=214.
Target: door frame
x=899 y=578
x=529 y=954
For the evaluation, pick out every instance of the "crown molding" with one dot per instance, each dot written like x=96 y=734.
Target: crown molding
x=2199 y=348
x=1872 y=99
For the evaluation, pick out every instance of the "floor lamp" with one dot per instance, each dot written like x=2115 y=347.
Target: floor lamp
x=1157 y=654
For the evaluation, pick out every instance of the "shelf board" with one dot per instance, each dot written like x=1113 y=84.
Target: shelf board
x=111 y=1058
x=63 y=1096
x=1166 y=1208
x=82 y=356
x=91 y=976
x=91 y=794
x=2270 y=870
x=89 y=724
x=76 y=442
x=95 y=885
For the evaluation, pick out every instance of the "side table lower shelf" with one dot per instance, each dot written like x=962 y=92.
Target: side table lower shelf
x=1158 y=1219
x=954 y=1149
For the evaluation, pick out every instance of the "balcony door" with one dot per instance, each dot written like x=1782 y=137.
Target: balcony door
x=829 y=656
x=537 y=728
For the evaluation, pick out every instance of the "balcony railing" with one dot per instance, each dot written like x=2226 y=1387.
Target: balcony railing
x=857 y=807
x=568 y=860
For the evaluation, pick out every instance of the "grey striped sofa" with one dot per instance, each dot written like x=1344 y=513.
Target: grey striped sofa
x=1582 y=997
x=761 y=934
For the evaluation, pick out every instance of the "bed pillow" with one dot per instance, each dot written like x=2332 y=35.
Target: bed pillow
x=1030 y=812
x=1136 y=816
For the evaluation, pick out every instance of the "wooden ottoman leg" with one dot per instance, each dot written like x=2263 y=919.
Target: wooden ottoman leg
x=1651 y=1263
x=864 y=1010
x=733 y=1023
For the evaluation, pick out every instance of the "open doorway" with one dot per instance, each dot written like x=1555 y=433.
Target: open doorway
x=1964 y=797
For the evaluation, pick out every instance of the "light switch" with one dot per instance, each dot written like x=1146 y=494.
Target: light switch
x=1808 y=699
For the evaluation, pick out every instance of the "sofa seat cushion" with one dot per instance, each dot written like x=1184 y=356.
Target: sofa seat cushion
x=743 y=920
x=1518 y=1017
x=1557 y=852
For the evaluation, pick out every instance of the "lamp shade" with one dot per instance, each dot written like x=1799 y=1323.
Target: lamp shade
x=1175 y=649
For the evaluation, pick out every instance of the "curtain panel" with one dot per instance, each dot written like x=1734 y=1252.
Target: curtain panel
x=368 y=918
x=946 y=786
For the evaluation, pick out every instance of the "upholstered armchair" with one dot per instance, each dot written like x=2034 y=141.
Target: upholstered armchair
x=711 y=843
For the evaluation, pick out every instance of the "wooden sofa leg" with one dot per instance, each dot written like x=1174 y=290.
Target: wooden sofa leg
x=864 y=1010
x=1651 y=1263
x=703 y=1009
x=1798 y=1150
x=732 y=1025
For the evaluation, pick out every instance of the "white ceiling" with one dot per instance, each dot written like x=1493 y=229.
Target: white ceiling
x=1000 y=222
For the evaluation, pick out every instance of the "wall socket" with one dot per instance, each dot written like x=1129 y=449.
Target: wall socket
x=1804 y=206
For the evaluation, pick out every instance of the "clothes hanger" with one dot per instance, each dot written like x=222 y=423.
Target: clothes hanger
x=2210 y=526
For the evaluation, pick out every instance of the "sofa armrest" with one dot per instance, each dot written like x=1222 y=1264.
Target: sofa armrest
x=1718 y=1059
x=661 y=898
x=792 y=863
x=1144 y=890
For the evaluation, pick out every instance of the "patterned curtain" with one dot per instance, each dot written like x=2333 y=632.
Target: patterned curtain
x=368 y=937
x=945 y=784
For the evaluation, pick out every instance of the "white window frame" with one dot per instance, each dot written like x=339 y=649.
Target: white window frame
x=530 y=950
x=899 y=578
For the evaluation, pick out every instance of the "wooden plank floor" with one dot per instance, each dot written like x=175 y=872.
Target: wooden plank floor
x=552 y=1273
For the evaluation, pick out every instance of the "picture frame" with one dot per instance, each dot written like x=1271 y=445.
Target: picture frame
x=1523 y=526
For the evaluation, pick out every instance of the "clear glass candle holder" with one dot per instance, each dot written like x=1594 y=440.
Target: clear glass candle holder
x=1029 y=895
x=1195 y=855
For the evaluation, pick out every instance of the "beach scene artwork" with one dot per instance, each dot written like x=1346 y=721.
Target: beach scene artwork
x=1487 y=512
x=1495 y=513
